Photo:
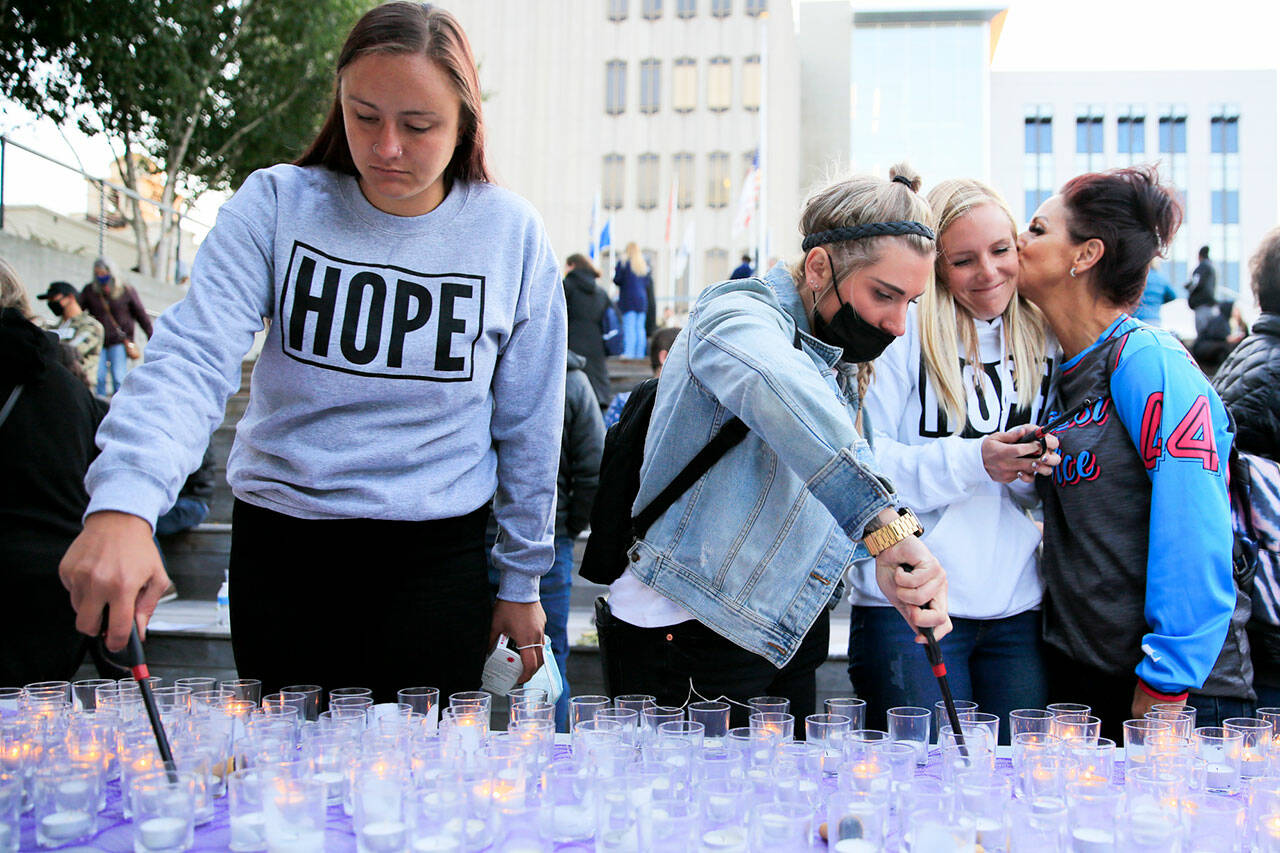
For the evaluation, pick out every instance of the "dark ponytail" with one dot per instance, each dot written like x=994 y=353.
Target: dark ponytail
x=1135 y=217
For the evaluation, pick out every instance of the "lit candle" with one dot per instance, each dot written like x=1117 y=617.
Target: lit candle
x=1252 y=763
x=990 y=832
x=162 y=833
x=728 y=839
x=1272 y=826
x=436 y=844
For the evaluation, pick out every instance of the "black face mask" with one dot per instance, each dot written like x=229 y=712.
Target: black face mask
x=56 y=308
x=860 y=340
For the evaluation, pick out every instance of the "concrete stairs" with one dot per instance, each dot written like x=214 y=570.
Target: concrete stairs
x=186 y=638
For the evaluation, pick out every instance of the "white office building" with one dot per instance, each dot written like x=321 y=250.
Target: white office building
x=628 y=98
x=1212 y=135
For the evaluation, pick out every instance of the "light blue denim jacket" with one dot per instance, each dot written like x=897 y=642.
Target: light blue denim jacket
x=756 y=547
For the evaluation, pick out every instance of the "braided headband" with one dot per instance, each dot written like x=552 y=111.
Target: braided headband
x=870 y=229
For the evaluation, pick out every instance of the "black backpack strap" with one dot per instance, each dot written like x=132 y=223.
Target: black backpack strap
x=733 y=431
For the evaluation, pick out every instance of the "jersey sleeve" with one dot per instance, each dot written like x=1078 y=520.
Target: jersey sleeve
x=1180 y=429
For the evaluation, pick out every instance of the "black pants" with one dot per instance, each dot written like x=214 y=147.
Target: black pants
x=38 y=637
x=359 y=602
x=663 y=662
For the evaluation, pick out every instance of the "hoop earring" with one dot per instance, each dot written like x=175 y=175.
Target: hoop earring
x=1073 y=272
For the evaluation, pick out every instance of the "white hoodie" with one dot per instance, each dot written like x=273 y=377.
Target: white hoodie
x=978 y=529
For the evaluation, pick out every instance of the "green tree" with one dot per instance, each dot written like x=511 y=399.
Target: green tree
x=209 y=89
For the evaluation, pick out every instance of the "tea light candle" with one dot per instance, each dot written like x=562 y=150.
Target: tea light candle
x=855 y=845
x=1220 y=776
x=990 y=832
x=308 y=841
x=249 y=831
x=436 y=844
x=333 y=783
x=74 y=788
x=64 y=826
x=1088 y=839
x=383 y=835
x=1252 y=763
x=1271 y=825
x=727 y=838
x=162 y=833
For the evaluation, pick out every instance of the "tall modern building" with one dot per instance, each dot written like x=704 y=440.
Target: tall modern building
x=628 y=99
x=886 y=82
x=1212 y=135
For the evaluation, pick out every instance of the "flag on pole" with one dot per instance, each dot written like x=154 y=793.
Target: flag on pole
x=593 y=230
x=671 y=212
x=606 y=235
x=685 y=252
x=750 y=196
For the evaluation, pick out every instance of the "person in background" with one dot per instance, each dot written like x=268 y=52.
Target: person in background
x=729 y=591
x=75 y=326
x=47 y=422
x=634 y=284
x=951 y=407
x=1140 y=602
x=659 y=347
x=1157 y=292
x=192 y=506
x=119 y=309
x=585 y=303
x=413 y=371
x=742 y=270
x=1249 y=382
x=1202 y=292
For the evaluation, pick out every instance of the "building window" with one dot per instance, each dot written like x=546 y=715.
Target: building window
x=719 y=84
x=717 y=265
x=721 y=8
x=1224 y=134
x=617 y=9
x=751 y=83
x=650 y=85
x=1037 y=158
x=615 y=87
x=1172 y=124
x=1089 y=138
x=686 y=8
x=612 y=181
x=651 y=9
x=1131 y=136
x=718 y=179
x=684 y=85
x=755 y=8
x=682 y=166
x=647 y=181
x=1224 y=197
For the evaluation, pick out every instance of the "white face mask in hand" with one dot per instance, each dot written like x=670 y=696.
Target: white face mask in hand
x=502 y=670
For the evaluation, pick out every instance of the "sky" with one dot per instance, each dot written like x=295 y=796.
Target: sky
x=1038 y=35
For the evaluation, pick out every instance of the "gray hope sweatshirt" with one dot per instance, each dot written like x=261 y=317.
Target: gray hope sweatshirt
x=413 y=367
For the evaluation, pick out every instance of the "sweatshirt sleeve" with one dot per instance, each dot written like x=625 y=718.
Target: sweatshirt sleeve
x=528 y=416
x=742 y=353
x=139 y=312
x=160 y=423
x=926 y=476
x=1179 y=426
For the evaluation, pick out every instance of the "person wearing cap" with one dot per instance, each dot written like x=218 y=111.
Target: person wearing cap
x=728 y=592
x=75 y=326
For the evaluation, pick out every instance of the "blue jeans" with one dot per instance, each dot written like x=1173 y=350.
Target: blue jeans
x=553 y=590
x=113 y=358
x=997 y=663
x=185 y=514
x=1212 y=710
x=633 y=336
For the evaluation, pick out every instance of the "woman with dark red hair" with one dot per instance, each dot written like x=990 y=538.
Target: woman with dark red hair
x=1140 y=603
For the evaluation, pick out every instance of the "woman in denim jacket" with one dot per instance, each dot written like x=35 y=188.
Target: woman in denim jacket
x=728 y=592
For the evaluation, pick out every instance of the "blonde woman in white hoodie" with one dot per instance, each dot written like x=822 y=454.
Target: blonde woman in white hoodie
x=951 y=409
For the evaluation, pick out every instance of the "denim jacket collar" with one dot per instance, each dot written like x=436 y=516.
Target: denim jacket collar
x=787 y=289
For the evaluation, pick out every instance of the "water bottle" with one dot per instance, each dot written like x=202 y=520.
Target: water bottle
x=224 y=598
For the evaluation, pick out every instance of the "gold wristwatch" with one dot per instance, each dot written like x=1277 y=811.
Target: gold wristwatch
x=906 y=524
